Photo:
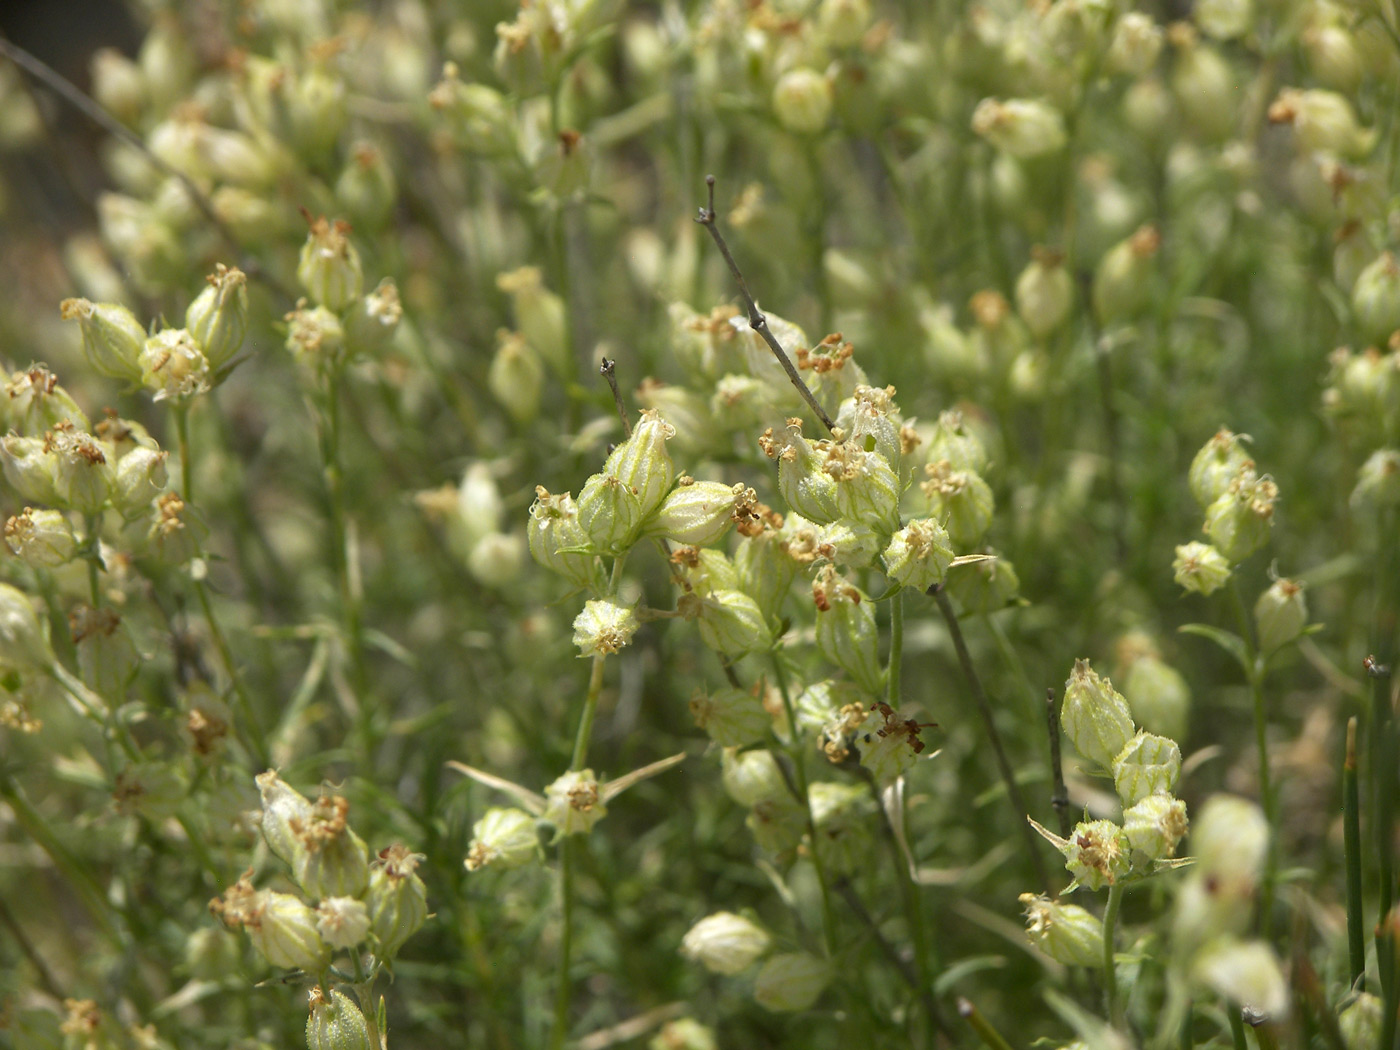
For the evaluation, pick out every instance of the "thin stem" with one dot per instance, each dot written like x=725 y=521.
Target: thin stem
x=984 y=708
x=256 y=739
x=181 y=412
x=892 y=694
x=1266 y=1036
x=1236 y=1026
x=608 y=369
x=41 y=969
x=590 y=711
x=1059 y=797
x=561 y=994
x=991 y=1038
x=757 y=321
x=1112 y=441
x=1256 y=668
x=1110 y=968
x=1351 y=830
x=1383 y=772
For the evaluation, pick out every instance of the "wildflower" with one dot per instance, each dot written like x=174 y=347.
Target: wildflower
x=725 y=943
x=604 y=627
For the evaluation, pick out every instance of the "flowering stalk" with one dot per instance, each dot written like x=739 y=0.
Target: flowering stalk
x=1351 y=829
x=1110 y=973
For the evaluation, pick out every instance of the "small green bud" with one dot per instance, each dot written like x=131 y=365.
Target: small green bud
x=1245 y=972
x=1155 y=825
x=367 y=188
x=1378 y=480
x=478 y=114
x=1147 y=765
x=329 y=859
x=725 y=943
x=1065 y=932
x=604 y=627
x=1280 y=615
x=1044 y=292
x=34 y=402
x=1375 y=298
x=704 y=571
x=808 y=489
x=506 y=838
x=497 y=559
x=516 y=376
x=140 y=479
x=336 y=1023
x=287 y=935
x=1123 y=278
x=791 y=982
x=329 y=266
x=343 y=922
x=955 y=442
x=1021 y=128
x=540 y=314
x=42 y=538
x=1360 y=1022
x=1216 y=465
x=553 y=529
x=731 y=717
x=1200 y=567
x=1332 y=56
x=642 y=462
x=751 y=777
x=574 y=803
x=217 y=320
x=396 y=898
x=1239 y=520
x=1224 y=19
x=1323 y=122
x=684 y=1033
x=802 y=100
x=29 y=467
x=609 y=513
x=1136 y=45
x=870 y=420
x=763 y=568
x=842 y=23
x=173 y=365
x=853 y=544
x=1230 y=842
x=698 y=513
x=867 y=488
x=846 y=632
x=83 y=478
x=1204 y=85
x=1095 y=716
x=962 y=499
x=918 y=555
x=107 y=657
x=1158 y=697
x=284 y=809
x=117 y=85
x=730 y=622
x=1096 y=853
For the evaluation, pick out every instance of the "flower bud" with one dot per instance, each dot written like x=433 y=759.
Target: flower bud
x=42 y=538
x=1123 y=278
x=763 y=568
x=1155 y=826
x=396 y=898
x=1065 y=932
x=1323 y=122
x=1044 y=292
x=686 y=1033
x=83 y=478
x=107 y=657
x=1238 y=522
x=1333 y=57
x=173 y=365
x=1360 y=1022
x=704 y=571
x=730 y=622
x=1378 y=480
x=1095 y=716
x=315 y=336
x=842 y=819
x=871 y=421
x=1280 y=615
x=283 y=810
x=367 y=188
x=1147 y=765
x=496 y=560
x=29 y=467
x=751 y=777
x=1216 y=465
x=867 y=489
x=329 y=859
x=1200 y=567
x=1245 y=972
x=1204 y=85
x=286 y=934
x=217 y=320
x=540 y=314
x=985 y=586
x=1224 y=19
x=725 y=943
x=343 y=922
x=642 y=462
x=1022 y=128
x=918 y=554
x=609 y=513
x=553 y=531
x=140 y=479
x=889 y=745
x=962 y=499
x=177 y=532
x=731 y=717
x=117 y=85
x=34 y=402
x=954 y=441
x=808 y=489
x=791 y=982
x=842 y=23
x=516 y=376
x=1096 y=853
x=574 y=803
x=1375 y=298
x=1136 y=45
x=1158 y=697
x=1230 y=841
x=604 y=627
x=506 y=838
x=846 y=632
x=698 y=513
x=336 y=1023
x=329 y=266
x=478 y=114
x=802 y=100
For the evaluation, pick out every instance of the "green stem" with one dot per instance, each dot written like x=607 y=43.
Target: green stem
x=1256 y=667
x=256 y=740
x=181 y=412
x=986 y=1031
x=561 y=995
x=590 y=711
x=1236 y=1026
x=1110 y=969
x=892 y=675
x=1351 y=830
x=92 y=531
